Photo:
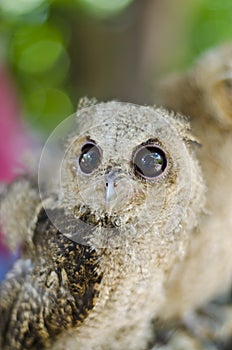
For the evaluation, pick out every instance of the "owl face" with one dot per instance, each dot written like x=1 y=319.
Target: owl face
x=127 y=172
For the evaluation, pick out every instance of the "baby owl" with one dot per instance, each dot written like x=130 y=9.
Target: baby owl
x=98 y=251
x=123 y=230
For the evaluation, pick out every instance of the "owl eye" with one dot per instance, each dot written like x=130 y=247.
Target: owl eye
x=90 y=157
x=149 y=161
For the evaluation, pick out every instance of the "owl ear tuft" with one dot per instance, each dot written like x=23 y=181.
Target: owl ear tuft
x=85 y=102
x=183 y=124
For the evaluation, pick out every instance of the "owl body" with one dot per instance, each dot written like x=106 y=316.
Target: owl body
x=136 y=261
x=103 y=248
x=123 y=313
x=204 y=94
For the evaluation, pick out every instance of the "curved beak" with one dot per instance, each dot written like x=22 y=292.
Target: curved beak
x=111 y=180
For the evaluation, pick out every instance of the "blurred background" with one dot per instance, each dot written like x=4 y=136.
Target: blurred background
x=54 y=52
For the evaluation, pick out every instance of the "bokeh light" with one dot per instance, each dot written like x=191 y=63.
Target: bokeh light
x=212 y=24
x=47 y=105
x=104 y=8
x=40 y=56
x=36 y=48
x=20 y=7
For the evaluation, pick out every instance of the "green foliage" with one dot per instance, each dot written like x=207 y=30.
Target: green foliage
x=104 y=8
x=211 y=25
x=35 y=43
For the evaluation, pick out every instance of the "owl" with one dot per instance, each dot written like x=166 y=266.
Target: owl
x=105 y=234
x=204 y=94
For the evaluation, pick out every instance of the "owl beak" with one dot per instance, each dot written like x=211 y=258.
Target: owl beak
x=111 y=180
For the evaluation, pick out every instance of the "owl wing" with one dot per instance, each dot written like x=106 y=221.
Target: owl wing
x=48 y=292
x=18 y=209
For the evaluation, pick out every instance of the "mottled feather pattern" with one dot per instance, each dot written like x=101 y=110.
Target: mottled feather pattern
x=51 y=290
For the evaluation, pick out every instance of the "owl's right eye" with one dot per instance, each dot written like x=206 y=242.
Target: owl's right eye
x=150 y=161
x=90 y=158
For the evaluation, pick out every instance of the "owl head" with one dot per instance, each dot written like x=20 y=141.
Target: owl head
x=213 y=75
x=128 y=172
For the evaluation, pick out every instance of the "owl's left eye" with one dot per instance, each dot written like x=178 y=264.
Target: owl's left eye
x=90 y=157
x=149 y=161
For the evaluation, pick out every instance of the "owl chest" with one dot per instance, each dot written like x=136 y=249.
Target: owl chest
x=124 y=310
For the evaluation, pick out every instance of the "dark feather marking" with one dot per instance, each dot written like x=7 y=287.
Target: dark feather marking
x=54 y=295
